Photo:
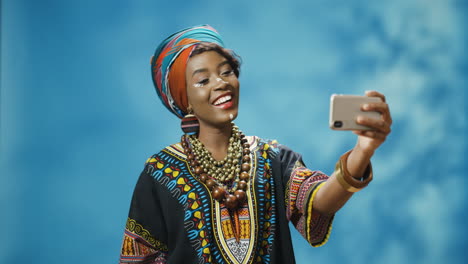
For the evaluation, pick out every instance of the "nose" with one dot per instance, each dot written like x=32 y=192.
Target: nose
x=221 y=80
x=220 y=83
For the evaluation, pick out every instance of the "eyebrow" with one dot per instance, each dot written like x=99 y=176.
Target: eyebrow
x=205 y=70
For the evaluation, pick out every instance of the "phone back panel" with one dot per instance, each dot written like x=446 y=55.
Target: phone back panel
x=344 y=110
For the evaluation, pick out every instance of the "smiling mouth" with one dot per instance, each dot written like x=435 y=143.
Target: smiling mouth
x=223 y=100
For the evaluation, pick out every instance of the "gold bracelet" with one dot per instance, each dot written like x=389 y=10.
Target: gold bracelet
x=348 y=182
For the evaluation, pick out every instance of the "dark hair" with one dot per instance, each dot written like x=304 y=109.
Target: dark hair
x=233 y=59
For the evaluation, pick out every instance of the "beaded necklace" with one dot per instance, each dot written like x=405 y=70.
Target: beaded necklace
x=226 y=179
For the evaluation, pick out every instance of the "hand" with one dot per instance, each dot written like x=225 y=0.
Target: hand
x=370 y=140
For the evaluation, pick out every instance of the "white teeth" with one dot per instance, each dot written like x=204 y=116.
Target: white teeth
x=222 y=100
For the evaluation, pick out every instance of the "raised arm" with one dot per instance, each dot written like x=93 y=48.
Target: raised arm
x=353 y=171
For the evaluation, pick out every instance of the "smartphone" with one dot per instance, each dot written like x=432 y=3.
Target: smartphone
x=344 y=110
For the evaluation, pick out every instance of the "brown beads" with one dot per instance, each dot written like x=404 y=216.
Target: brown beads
x=226 y=179
x=218 y=193
x=231 y=201
x=198 y=170
x=242 y=185
x=203 y=177
x=240 y=195
x=244 y=176
x=191 y=156
x=210 y=184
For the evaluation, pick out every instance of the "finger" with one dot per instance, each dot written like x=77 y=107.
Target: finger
x=376 y=124
x=380 y=107
x=375 y=94
x=371 y=134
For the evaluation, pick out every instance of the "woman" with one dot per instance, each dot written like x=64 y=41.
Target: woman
x=219 y=196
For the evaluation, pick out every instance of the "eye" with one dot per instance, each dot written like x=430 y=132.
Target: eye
x=227 y=72
x=202 y=82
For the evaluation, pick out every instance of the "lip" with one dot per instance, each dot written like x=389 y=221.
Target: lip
x=225 y=105
x=224 y=94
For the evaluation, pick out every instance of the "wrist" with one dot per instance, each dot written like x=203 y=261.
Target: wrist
x=364 y=153
x=347 y=181
x=359 y=160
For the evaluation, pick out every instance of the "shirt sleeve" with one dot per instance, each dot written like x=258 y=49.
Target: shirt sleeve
x=301 y=186
x=143 y=240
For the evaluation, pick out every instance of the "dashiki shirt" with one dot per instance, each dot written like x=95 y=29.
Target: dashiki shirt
x=174 y=219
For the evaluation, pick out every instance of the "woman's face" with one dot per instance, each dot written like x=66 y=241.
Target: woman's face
x=212 y=89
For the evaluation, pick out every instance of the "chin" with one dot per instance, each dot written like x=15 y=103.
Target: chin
x=226 y=119
x=220 y=118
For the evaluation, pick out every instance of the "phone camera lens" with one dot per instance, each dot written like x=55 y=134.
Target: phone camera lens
x=338 y=124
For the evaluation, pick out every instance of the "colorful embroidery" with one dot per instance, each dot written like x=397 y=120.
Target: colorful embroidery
x=295 y=182
x=266 y=200
x=318 y=226
x=139 y=245
x=303 y=185
x=170 y=169
x=137 y=229
x=236 y=236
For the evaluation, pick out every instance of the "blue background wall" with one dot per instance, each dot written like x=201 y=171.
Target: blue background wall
x=79 y=116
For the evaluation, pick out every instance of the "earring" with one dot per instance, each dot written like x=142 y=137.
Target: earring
x=190 y=124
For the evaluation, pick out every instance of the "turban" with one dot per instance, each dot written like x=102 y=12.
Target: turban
x=169 y=62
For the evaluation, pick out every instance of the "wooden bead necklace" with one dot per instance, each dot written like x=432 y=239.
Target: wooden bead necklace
x=226 y=179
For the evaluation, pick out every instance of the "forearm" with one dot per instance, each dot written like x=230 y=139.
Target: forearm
x=358 y=160
x=332 y=196
x=337 y=190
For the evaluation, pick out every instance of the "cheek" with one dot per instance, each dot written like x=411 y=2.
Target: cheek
x=197 y=95
x=234 y=81
x=236 y=84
